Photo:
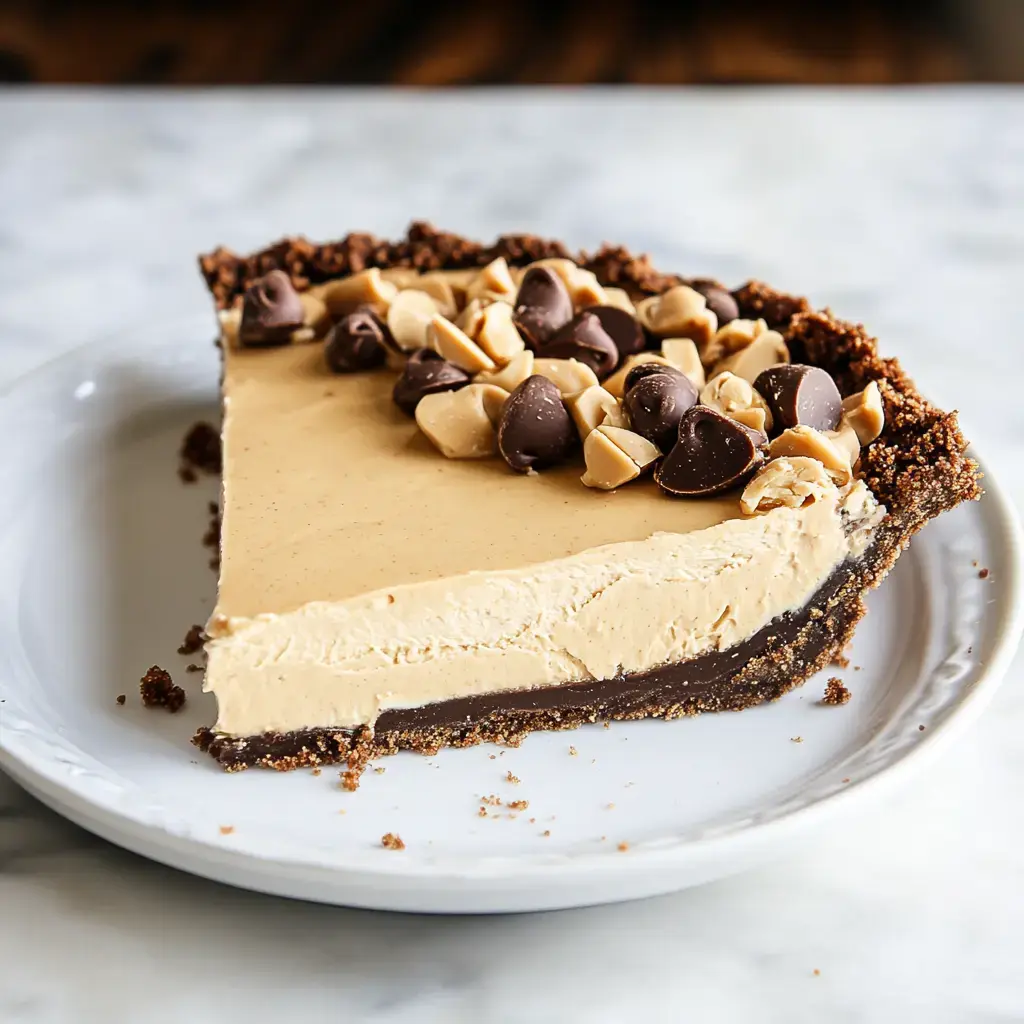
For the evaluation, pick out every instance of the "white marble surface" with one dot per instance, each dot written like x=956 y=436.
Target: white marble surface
x=904 y=209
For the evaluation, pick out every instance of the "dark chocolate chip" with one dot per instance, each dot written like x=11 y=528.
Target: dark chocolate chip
x=656 y=403
x=719 y=301
x=800 y=395
x=543 y=305
x=271 y=310
x=583 y=338
x=358 y=341
x=713 y=453
x=641 y=370
x=426 y=373
x=536 y=429
x=622 y=327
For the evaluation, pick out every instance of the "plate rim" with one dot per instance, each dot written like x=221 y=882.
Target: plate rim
x=206 y=856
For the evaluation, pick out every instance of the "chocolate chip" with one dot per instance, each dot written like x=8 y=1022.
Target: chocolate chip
x=800 y=395
x=543 y=305
x=656 y=402
x=583 y=338
x=536 y=429
x=641 y=370
x=622 y=327
x=719 y=301
x=356 y=342
x=713 y=453
x=271 y=310
x=426 y=373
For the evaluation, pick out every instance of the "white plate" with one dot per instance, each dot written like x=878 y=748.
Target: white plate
x=102 y=572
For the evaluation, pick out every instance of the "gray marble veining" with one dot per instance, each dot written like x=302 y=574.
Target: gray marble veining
x=904 y=209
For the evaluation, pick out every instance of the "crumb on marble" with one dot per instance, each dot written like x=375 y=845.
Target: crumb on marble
x=226 y=830
x=509 y=777
x=518 y=805
x=983 y=574
x=796 y=739
x=572 y=751
x=623 y=847
x=392 y=841
x=121 y=698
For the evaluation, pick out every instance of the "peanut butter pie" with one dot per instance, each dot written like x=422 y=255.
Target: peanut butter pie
x=473 y=491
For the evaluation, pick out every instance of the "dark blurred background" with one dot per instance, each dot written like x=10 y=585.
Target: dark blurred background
x=454 y=42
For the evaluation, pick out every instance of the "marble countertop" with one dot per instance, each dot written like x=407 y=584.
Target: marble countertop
x=904 y=209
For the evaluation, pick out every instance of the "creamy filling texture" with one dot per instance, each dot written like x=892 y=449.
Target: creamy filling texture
x=615 y=609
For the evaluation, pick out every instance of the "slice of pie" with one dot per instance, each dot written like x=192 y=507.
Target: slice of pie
x=470 y=492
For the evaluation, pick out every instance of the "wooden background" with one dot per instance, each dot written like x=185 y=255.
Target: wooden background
x=450 y=42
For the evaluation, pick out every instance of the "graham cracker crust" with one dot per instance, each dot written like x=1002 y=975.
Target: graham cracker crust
x=917 y=468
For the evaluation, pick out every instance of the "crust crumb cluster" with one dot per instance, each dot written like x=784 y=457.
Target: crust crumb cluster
x=158 y=690
x=392 y=841
x=199 y=453
x=836 y=693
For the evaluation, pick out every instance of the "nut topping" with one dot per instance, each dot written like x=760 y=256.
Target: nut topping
x=614 y=457
x=585 y=289
x=426 y=373
x=461 y=423
x=568 y=375
x=367 y=287
x=470 y=319
x=844 y=437
x=713 y=453
x=733 y=337
x=800 y=395
x=315 y=315
x=408 y=317
x=619 y=298
x=358 y=341
x=492 y=284
x=456 y=346
x=271 y=311
x=680 y=312
x=791 y=482
x=536 y=430
x=865 y=414
x=682 y=354
x=496 y=334
x=440 y=290
x=738 y=400
x=767 y=349
x=809 y=443
x=401 y=277
x=542 y=305
x=593 y=407
x=511 y=375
